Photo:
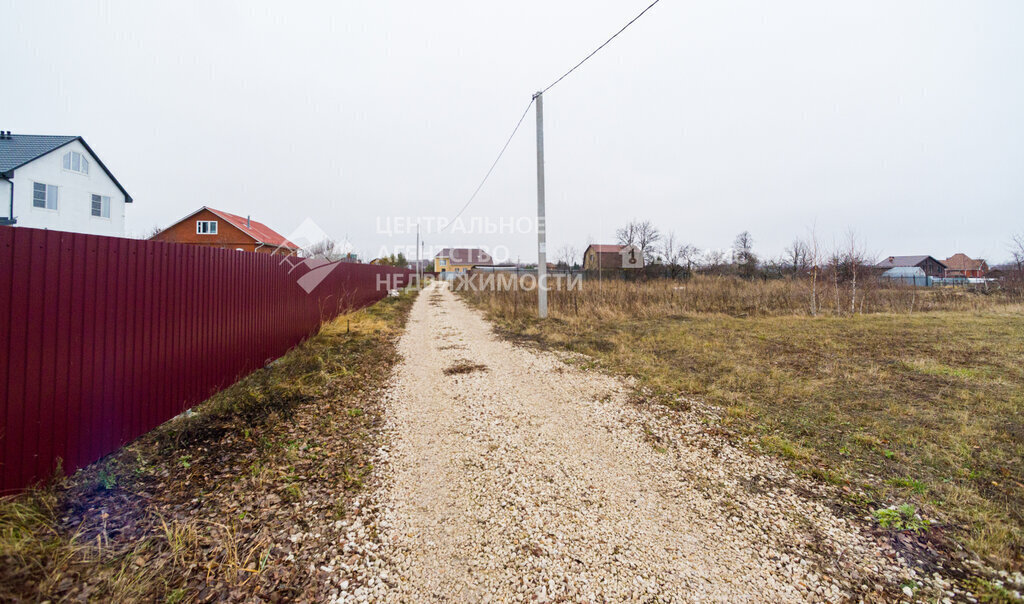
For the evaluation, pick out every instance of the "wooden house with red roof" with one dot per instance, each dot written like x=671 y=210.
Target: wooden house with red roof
x=216 y=228
x=598 y=257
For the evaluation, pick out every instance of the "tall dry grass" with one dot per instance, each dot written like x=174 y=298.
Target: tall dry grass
x=612 y=298
x=893 y=402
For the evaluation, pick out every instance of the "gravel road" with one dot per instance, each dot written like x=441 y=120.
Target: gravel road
x=517 y=476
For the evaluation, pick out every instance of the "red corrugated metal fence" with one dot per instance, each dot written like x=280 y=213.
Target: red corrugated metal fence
x=103 y=339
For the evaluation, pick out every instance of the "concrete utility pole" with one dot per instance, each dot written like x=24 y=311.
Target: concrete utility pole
x=419 y=277
x=542 y=252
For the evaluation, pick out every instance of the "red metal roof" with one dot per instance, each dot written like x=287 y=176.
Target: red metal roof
x=606 y=247
x=257 y=230
x=963 y=262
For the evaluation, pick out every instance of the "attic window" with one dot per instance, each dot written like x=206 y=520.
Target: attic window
x=206 y=227
x=76 y=162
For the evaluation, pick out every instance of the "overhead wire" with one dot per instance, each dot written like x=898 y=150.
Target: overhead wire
x=491 y=169
x=576 y=66
x=530 y=104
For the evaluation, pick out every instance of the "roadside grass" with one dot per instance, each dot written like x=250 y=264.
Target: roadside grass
x=202 y=507
x=922 y=409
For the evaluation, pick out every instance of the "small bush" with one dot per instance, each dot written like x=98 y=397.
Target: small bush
x=901 y=518
x=106 y=480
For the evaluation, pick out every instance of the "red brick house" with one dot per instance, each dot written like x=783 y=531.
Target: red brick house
x=962 y=265
x=216 y=228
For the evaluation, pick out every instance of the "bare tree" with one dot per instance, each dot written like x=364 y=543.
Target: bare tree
x=776 y=267
x=627 y=234
x=1017 y=252
x=814 y=259
x=855 y=259
x=743 y=255
x=796 y=256
x=835 y=262
x=568 y=256
x=713 y=261
x=678 y=256
x=641 y=233
x=670 y=250
x=327 y=249
x=648 y=236
x=688 y=255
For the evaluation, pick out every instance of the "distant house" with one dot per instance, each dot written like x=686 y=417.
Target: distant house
x=608 y=256
x=58 y=183
x=424 y=265
x=930 y=266
x=962 y=265
x=215 y=228
x=457 y=260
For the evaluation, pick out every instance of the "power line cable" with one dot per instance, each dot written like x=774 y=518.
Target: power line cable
x=496 y=160
x=530 y=104
x=566 y=74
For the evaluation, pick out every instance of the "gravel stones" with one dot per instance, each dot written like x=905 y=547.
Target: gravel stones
x=537 y=481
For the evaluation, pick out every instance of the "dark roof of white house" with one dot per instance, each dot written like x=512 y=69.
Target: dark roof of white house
x=16 y=150
x=21 y=149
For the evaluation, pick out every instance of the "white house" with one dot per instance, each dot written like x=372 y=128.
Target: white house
x=58 y=182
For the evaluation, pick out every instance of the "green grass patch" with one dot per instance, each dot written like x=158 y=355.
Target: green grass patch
x=909 y=483
x=901 y=518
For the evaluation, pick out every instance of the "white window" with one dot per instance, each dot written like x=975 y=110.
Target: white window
x=101 y=206
x=206 y=227
x=44 y=196
x=76 y=162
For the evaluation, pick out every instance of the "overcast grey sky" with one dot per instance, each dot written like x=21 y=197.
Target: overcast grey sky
x=901 y=120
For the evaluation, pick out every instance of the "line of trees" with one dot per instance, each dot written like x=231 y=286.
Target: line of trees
x=681 y=259
x=844 y=262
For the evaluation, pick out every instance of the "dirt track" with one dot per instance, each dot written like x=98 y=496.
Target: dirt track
x=516 y=476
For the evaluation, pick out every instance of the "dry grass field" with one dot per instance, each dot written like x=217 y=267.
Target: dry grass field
x=915 y=398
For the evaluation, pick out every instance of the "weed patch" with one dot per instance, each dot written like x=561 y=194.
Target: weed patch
x=901 y=518
x=463 y=367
